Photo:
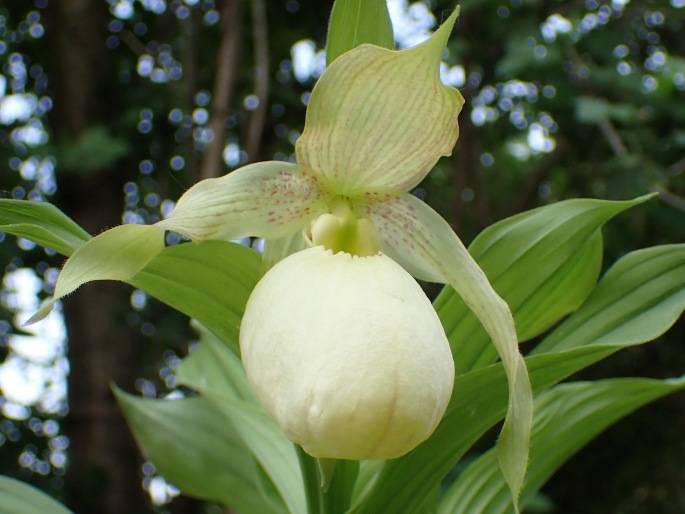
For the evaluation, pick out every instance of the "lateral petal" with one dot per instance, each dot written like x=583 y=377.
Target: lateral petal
x=379 y=119
x=267 y=199
x=423 y=242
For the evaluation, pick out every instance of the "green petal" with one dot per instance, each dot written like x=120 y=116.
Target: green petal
x=420 y=240
x=379 y=119
x=267 y=199
x=117 y=254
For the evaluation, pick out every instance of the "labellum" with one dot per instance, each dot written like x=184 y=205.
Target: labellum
x=347 y=353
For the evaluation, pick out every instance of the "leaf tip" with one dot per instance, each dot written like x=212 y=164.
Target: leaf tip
x=42 y=313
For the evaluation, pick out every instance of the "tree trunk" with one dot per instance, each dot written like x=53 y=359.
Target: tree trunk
x=103 y=473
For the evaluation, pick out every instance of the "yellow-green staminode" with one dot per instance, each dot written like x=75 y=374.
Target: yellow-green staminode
x=376 y=124
x=347 y=353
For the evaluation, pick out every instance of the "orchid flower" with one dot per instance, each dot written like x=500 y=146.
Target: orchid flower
x=377 y=122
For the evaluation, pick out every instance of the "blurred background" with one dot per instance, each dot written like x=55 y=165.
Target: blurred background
x=110 y=109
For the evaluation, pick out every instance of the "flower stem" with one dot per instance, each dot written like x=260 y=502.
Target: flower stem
x=331 y=494
x=310 y=477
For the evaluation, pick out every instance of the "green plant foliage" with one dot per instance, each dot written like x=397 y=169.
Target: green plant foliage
x=42 y=223
x=599 y=328
x=195 y=447
x=543 y=263
x=638 y=299
x=566 y=418
x=206 y=373
x=16 y=497
x=351 y=25
x=208 y=281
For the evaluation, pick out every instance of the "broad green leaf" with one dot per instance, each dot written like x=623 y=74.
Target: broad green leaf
x=355 y=22
x=255 y=427
x=566 y=418
x=194 y=446
x=42 y=223
x=16 y=497
x=208 y=281
x=378 y=120
x=211 y=367
x=638 y=297
x=267 y=443
x=543 y=263
x=480 y=396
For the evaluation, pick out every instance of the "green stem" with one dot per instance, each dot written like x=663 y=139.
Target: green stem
x=337 y=496
x=311 y=479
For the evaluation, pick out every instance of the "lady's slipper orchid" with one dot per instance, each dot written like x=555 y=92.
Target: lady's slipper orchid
x=377 y=122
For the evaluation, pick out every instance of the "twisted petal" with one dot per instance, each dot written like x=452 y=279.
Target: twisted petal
x=424 y=244
x=380 y=119
x=267 y=199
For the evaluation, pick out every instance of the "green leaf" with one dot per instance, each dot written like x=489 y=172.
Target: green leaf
x=42 y=223
x=208 y=281
x=16 y=497
x=556 y=249
x=211 y=367
x=255 y=427
x=355 y=22
x=480 y=396
x=194 y=446
x=567 y=417
x=636 y=300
